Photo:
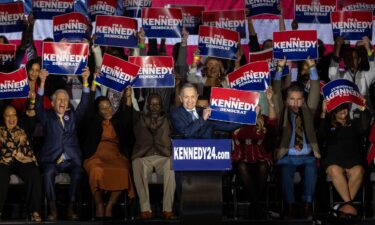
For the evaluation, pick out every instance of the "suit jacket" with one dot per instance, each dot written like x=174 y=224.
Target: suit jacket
x=284 y=117
x=59 y=139
x=184 y=125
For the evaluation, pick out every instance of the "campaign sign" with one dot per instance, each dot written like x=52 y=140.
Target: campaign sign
x=218 y=42
x=258 y=7
x=357 y=5
x=133 y=8
x=116 y=73
x=295 y=45
x=101 y=7
x=201 y=154
x=7 y=54
x=117 y=31
x=352 y=25
x=64 y=58
x=268 y=56
x=162 y=22
x=71 y=26
x=251 y=77
x=156 y=71
x=341 y=91
x=191 y=17
x=234 y=106
x=14 y=84
x=11 y=17
x=47 y=9
x=314 y=11
x=230 y=19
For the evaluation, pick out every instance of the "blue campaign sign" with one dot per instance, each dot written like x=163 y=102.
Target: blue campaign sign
x=117 y=31
x=155 y=72
x=201 y=154
x=341 y=91
x=218 y=42
x=72 y=26
x=133 y=8
x=251 y=77
x=234 y=106
x=314 y=11
x=47 y=9
x=295 y=45
x=258 y=7
x=352 y=25
x=116 y=73
x=64 y=58
x=162 y=22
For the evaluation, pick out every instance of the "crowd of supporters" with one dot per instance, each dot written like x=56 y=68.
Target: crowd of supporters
x=116 y=140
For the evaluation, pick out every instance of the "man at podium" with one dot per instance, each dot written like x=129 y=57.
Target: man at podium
x=190 y=121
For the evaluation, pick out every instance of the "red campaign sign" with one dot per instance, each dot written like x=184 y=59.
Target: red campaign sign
x=156 y=71
x=218 y=42
x=233 y=105
x=341 y=91
x=295 y=45
x=356 y=5
x=352 y=25
x=72 y=26
x=7 y=53
x=253 y=77
x=314 y=11
x=116 y=73
x=101 y=7
x=14 y=84
x=11 y=18
x=64 y=58
x=261 y=56
x=191 y=16
x=162 y=22
x=230 y=19
x=117 y=31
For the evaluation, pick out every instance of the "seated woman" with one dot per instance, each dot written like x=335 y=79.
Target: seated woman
x=342 y=157
x=106 y=152
x=252 y=155
x=17 y=157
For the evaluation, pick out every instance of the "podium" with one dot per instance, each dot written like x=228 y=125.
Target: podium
x=200 y=163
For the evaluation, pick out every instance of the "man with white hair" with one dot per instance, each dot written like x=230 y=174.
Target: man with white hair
x=60 y=151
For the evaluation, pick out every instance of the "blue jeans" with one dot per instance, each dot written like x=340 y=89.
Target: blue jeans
x=288 y=165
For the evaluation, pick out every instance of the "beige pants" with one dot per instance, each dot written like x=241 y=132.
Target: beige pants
x=142 y=169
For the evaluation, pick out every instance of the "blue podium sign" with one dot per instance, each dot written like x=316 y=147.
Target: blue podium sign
x=201 y=154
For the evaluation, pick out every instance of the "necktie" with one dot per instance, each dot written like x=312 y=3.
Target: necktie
x=193 y=117
x=61 y=120
x=298 y=141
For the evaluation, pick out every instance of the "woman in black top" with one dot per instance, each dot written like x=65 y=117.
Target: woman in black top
x=343 y=158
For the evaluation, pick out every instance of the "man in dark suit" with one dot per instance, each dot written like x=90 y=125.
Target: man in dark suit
x=190 y=121
x=61 y=152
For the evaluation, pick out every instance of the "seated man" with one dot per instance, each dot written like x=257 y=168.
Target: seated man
x=152 y=151
x=60 y=151
x=297 y=146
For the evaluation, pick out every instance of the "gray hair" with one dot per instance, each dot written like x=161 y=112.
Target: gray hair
x=53 y=97
x=188 y=85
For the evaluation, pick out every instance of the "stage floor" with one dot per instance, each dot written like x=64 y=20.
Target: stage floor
x=177 y=222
